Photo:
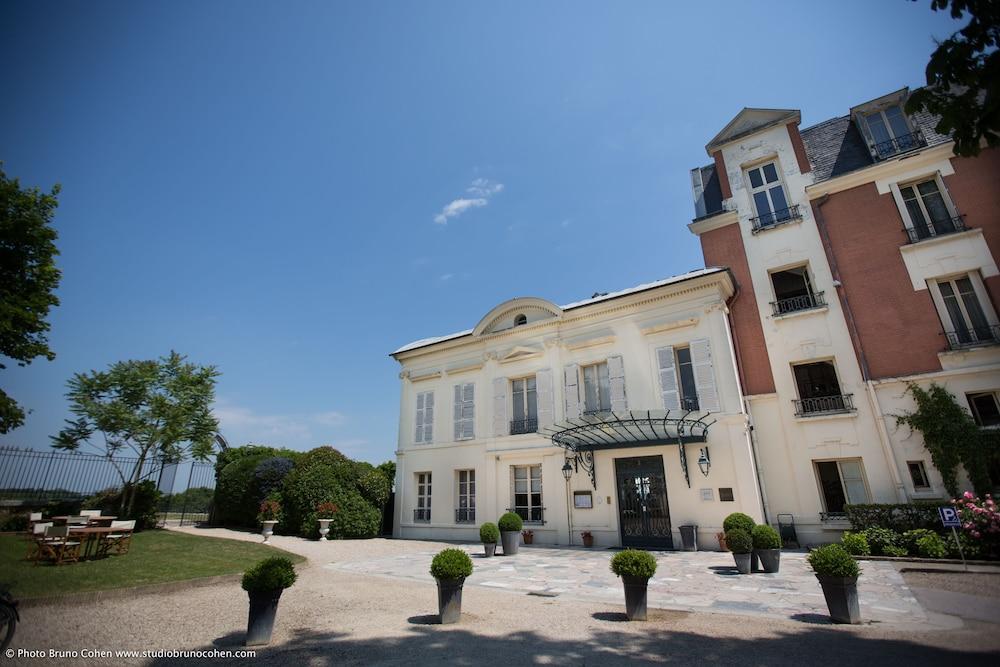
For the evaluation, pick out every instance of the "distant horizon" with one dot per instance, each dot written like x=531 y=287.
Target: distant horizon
x=290 y=193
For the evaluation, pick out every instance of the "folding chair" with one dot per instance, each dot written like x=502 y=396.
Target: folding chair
x=81 y=520
x=120 y=540
x=90 y=513
x=58 y=546
x=35 y=535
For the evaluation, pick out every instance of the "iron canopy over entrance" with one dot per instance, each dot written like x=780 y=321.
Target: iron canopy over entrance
x=594 y=432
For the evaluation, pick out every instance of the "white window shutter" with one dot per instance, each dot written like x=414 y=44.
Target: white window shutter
x=571 y=384
x=616 y=379
x=457 y=416
x=500 y=425
x=544 y=397
x=419 y=435
x=704 y=375
x=429 y=416
x=668 y=378
x=469 y=410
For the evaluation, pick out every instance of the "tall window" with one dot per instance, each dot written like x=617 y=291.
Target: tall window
x=524 y=411
x=685 y=377
x=793 y=291
x=819 y=389
x=528 y=492
x=466 y=512
x=967 y=324
x=465 y=411
x=890 y=133
x=985 y=408
x=842 y=482
x=596 y=388
x=425 y=417
x=768 y=195
x=423 y=511
x=929 y=214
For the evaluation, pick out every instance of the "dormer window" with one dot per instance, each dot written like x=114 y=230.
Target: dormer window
x=769 y=199
x=520 y=320
x=886 y=127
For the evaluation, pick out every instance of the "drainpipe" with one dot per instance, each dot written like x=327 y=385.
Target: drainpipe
x=852 y=327
x=738 y=372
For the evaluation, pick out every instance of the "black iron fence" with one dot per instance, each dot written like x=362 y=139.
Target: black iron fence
x=936 y=228
x=188 y=499
x=518 y=426
x=805 y=407
x=988 y=335
x=901 y=144
x=775 y=218
x=796 y=303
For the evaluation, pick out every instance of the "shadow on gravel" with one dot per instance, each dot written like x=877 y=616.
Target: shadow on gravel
x=653 y=642
x=611 y=616
x=724 y=570
x=813 y=619
x=424 y=619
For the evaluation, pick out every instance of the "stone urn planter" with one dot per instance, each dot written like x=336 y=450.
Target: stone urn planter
x=529 y=536
x=741 y=544
x=722 y=541
x=837 y=573
x=770 y=559
x=450 y=568
x=489 y=549
x=588 y=538
x=742 y=562
x=324 y=528
x=635 y=568
x=264 y=584
x=488 y=535
x=510 y=525
x=766 y=548
x=267 y=529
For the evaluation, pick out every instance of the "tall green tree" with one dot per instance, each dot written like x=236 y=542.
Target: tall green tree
x=963 y=77
x=142 y=409
x=28 y=280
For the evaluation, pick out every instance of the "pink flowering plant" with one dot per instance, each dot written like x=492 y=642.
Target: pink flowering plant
x=980 y=522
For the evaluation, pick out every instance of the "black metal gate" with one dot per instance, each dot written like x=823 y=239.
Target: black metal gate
x=644 y=517
x=188 y=490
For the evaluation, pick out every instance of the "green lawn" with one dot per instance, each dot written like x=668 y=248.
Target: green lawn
x=156 y=556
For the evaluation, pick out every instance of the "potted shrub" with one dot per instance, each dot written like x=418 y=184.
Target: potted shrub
x=741 y=544
x=264 y=583
x=767 y=546
x=488 y=535
x=269 y=515
x=324 y=514
x=588 y=538
x=837 y=572
x=743 y=522
x=529 y=536
x=510 y=525
x=450 y=568
x=635 y=568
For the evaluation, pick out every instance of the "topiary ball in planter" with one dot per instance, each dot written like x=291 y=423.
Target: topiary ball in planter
x=741 y=544
x=450 y=568
x=837 y=572
x=510 y=532
x=635 y=567
x=489 y=535
x=767 y=545
x=738 y=520
x=264 y=583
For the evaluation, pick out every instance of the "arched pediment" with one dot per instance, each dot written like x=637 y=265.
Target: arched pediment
x=504 y=316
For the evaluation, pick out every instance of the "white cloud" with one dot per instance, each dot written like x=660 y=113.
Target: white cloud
x=446 y=277
x=242 y=425
x=481 y=189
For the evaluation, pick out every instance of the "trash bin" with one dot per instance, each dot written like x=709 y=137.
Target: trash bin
x=689 y=538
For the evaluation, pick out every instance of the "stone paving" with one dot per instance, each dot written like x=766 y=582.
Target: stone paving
x=690 y=581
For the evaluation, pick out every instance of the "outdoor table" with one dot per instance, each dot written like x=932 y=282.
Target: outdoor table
x=91 y=534
x=59 y=520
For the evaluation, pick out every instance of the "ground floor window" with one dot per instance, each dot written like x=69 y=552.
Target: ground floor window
x=423 y=511
x=918 y=473
x=841 y=482
x=466 y=511
x=985 y=408
x=528 y=492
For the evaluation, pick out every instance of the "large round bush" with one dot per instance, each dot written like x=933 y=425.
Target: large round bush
x=236 y=501
x=269 y=474
x=375 y=487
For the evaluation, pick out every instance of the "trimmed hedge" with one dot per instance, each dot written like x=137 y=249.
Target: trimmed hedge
x=269 y=574
x=739 y=541
x=856 y=544
x=897 y=517
x=633 y=563
x=833 y=560
x=510 y=523
x=451 y=564
x=765 y=537
x=236 y=501
x=489 y=533
x=738 y=520
x=269 y=474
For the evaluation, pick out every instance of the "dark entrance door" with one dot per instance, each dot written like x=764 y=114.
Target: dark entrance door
x=644 y=518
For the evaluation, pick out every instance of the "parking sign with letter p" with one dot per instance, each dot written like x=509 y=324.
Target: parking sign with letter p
x=949 y=517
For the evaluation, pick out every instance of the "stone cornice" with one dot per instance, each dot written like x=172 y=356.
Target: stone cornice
x=717 y=221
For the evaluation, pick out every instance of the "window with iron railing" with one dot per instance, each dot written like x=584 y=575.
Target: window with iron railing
x=422 y=513
x=527 y=481
x=965 y=315
x=466 y=511
x=793 y=291
x=929 y=211
x=769 y=200
x=819 y=390
x=890 y=133
x=524 y=401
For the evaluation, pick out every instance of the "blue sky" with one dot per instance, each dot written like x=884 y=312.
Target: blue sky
x=292 y=190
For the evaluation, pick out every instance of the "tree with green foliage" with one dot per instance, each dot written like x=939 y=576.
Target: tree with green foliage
x=154 y=408
x=950 y=435
x=28 y=280
x=389 y=470
x=963 y=78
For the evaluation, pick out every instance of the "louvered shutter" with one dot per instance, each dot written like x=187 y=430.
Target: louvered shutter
x=429 y=416
x=464 y=411
x=668 y=378
x=544 y=397
x=419 y=435
x=571 y=384
x=616 y=380
x=457 y=416
x=500 y=425
x=704 y=375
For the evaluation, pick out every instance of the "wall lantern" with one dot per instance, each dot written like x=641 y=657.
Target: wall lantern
x=704 y=463
x=567 y=470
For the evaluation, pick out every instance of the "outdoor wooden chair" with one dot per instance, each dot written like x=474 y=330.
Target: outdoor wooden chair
x=57 y=546
x=120 y=540
x=81 y=520
x=90 y=513
x=35 y=534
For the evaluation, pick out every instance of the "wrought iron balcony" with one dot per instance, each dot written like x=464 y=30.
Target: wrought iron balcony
x=690 y=403
x=937 y=228
x=901 y=144
x=974 y=337
x=823 y=405
x=518 y=426
x=796 y=303
x=833 y=516
x=422 y=515
x=769 y=220
x=533 y=515
x=465 y=515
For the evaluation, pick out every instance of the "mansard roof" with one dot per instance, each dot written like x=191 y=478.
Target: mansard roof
x=543 y=309
x=749 y=121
